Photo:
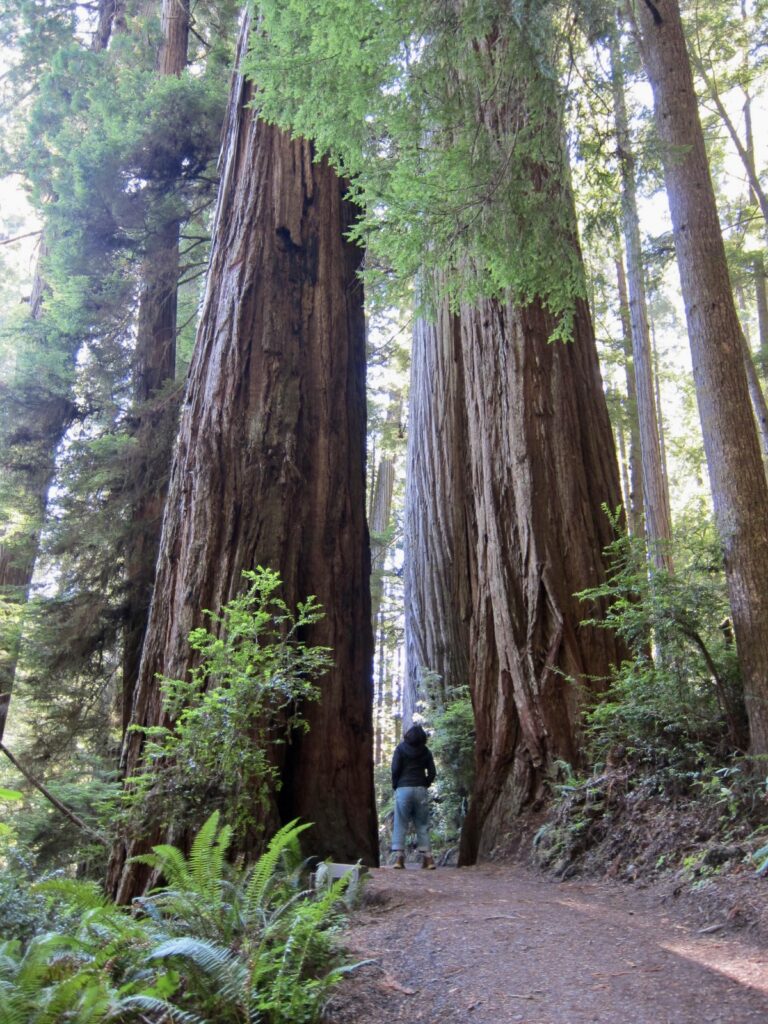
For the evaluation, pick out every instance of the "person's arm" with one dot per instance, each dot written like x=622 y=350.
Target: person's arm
x=430 y=768
x=397 y=767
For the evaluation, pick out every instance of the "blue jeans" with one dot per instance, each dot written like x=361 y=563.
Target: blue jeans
x=411 y=807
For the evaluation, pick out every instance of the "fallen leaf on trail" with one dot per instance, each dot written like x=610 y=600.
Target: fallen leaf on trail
x=395 y=986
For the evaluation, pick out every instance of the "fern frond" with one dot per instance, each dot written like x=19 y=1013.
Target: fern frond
x=164 y=1010
x=264 y=869
x=79 y=894
x=170 y=861
x=220 y=963
x=207 y=858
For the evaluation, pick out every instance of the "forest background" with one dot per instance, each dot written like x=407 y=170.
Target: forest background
x=184 y=354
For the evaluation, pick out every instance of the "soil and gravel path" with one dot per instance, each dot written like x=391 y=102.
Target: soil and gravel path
x=498 y=944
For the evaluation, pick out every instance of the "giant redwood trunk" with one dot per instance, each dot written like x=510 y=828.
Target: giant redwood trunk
x=739 y=490
x=543 y=464
x=438 y=517
x=269 y=467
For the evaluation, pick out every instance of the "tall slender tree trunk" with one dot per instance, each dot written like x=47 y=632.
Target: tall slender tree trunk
x=30 y=445
x=761 y=301
x=759 y=405
x=635 y=517
x=438 y=517
x=658 y=517
x=739 y=490
x=155 y=413
x=270 y=467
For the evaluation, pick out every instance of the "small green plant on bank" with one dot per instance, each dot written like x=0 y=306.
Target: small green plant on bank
x=216 y=944
x=239 y=703
x=667 y=786
x=453 y=745
x=681 y=687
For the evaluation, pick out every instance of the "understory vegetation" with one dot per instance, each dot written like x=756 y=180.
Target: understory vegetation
x=668 y=785
x=215 y=942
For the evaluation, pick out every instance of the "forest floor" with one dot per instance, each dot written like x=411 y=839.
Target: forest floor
x=500 y=943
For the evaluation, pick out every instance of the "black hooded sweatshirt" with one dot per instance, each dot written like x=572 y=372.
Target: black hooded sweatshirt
x=412 y=765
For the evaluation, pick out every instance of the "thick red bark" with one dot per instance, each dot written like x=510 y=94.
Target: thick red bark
x=543 y=465
x=270 y=466
x=438 y=517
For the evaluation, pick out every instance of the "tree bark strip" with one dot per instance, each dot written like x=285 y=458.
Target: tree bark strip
x=438 y=517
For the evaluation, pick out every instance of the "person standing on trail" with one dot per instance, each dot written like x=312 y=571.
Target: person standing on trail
x=413 y=772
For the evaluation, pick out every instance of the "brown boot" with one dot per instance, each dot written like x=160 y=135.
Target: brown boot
x=428 y=862
x=399 y=862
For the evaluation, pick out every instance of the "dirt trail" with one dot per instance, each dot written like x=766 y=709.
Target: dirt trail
x=498 y=944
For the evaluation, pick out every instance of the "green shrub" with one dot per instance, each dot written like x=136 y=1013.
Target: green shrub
x=217 y=944
x=237 y=705
x=681 y=685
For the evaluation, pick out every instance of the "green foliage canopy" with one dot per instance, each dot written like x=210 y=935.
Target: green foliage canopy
x=447 y=119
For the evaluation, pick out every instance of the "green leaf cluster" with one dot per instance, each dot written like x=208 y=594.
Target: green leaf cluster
x=681 y=686
x=241 y=701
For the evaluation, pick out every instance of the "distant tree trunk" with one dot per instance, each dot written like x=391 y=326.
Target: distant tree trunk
x=759 y=406
x=543 y=465
x=381 y=512
x=635 y=517
x=739 y=490
x=658 y=517
x=438 y=517
x=30 y=446
x=379 y=519
x=758 y=268
x=270 y=467
x=155 y=414
x=111 y=18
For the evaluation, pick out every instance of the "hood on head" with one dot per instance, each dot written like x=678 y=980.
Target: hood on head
x=415 y=736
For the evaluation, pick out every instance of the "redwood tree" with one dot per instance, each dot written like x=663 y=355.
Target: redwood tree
x=543 y=465
x=658 y=517
x=269 y=467
x=438 y=517
x=737 y=477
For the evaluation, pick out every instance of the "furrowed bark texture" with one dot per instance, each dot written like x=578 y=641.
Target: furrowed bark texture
x=543 y=465
x=270 y=467
x=438 y=517
x=739 y=490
